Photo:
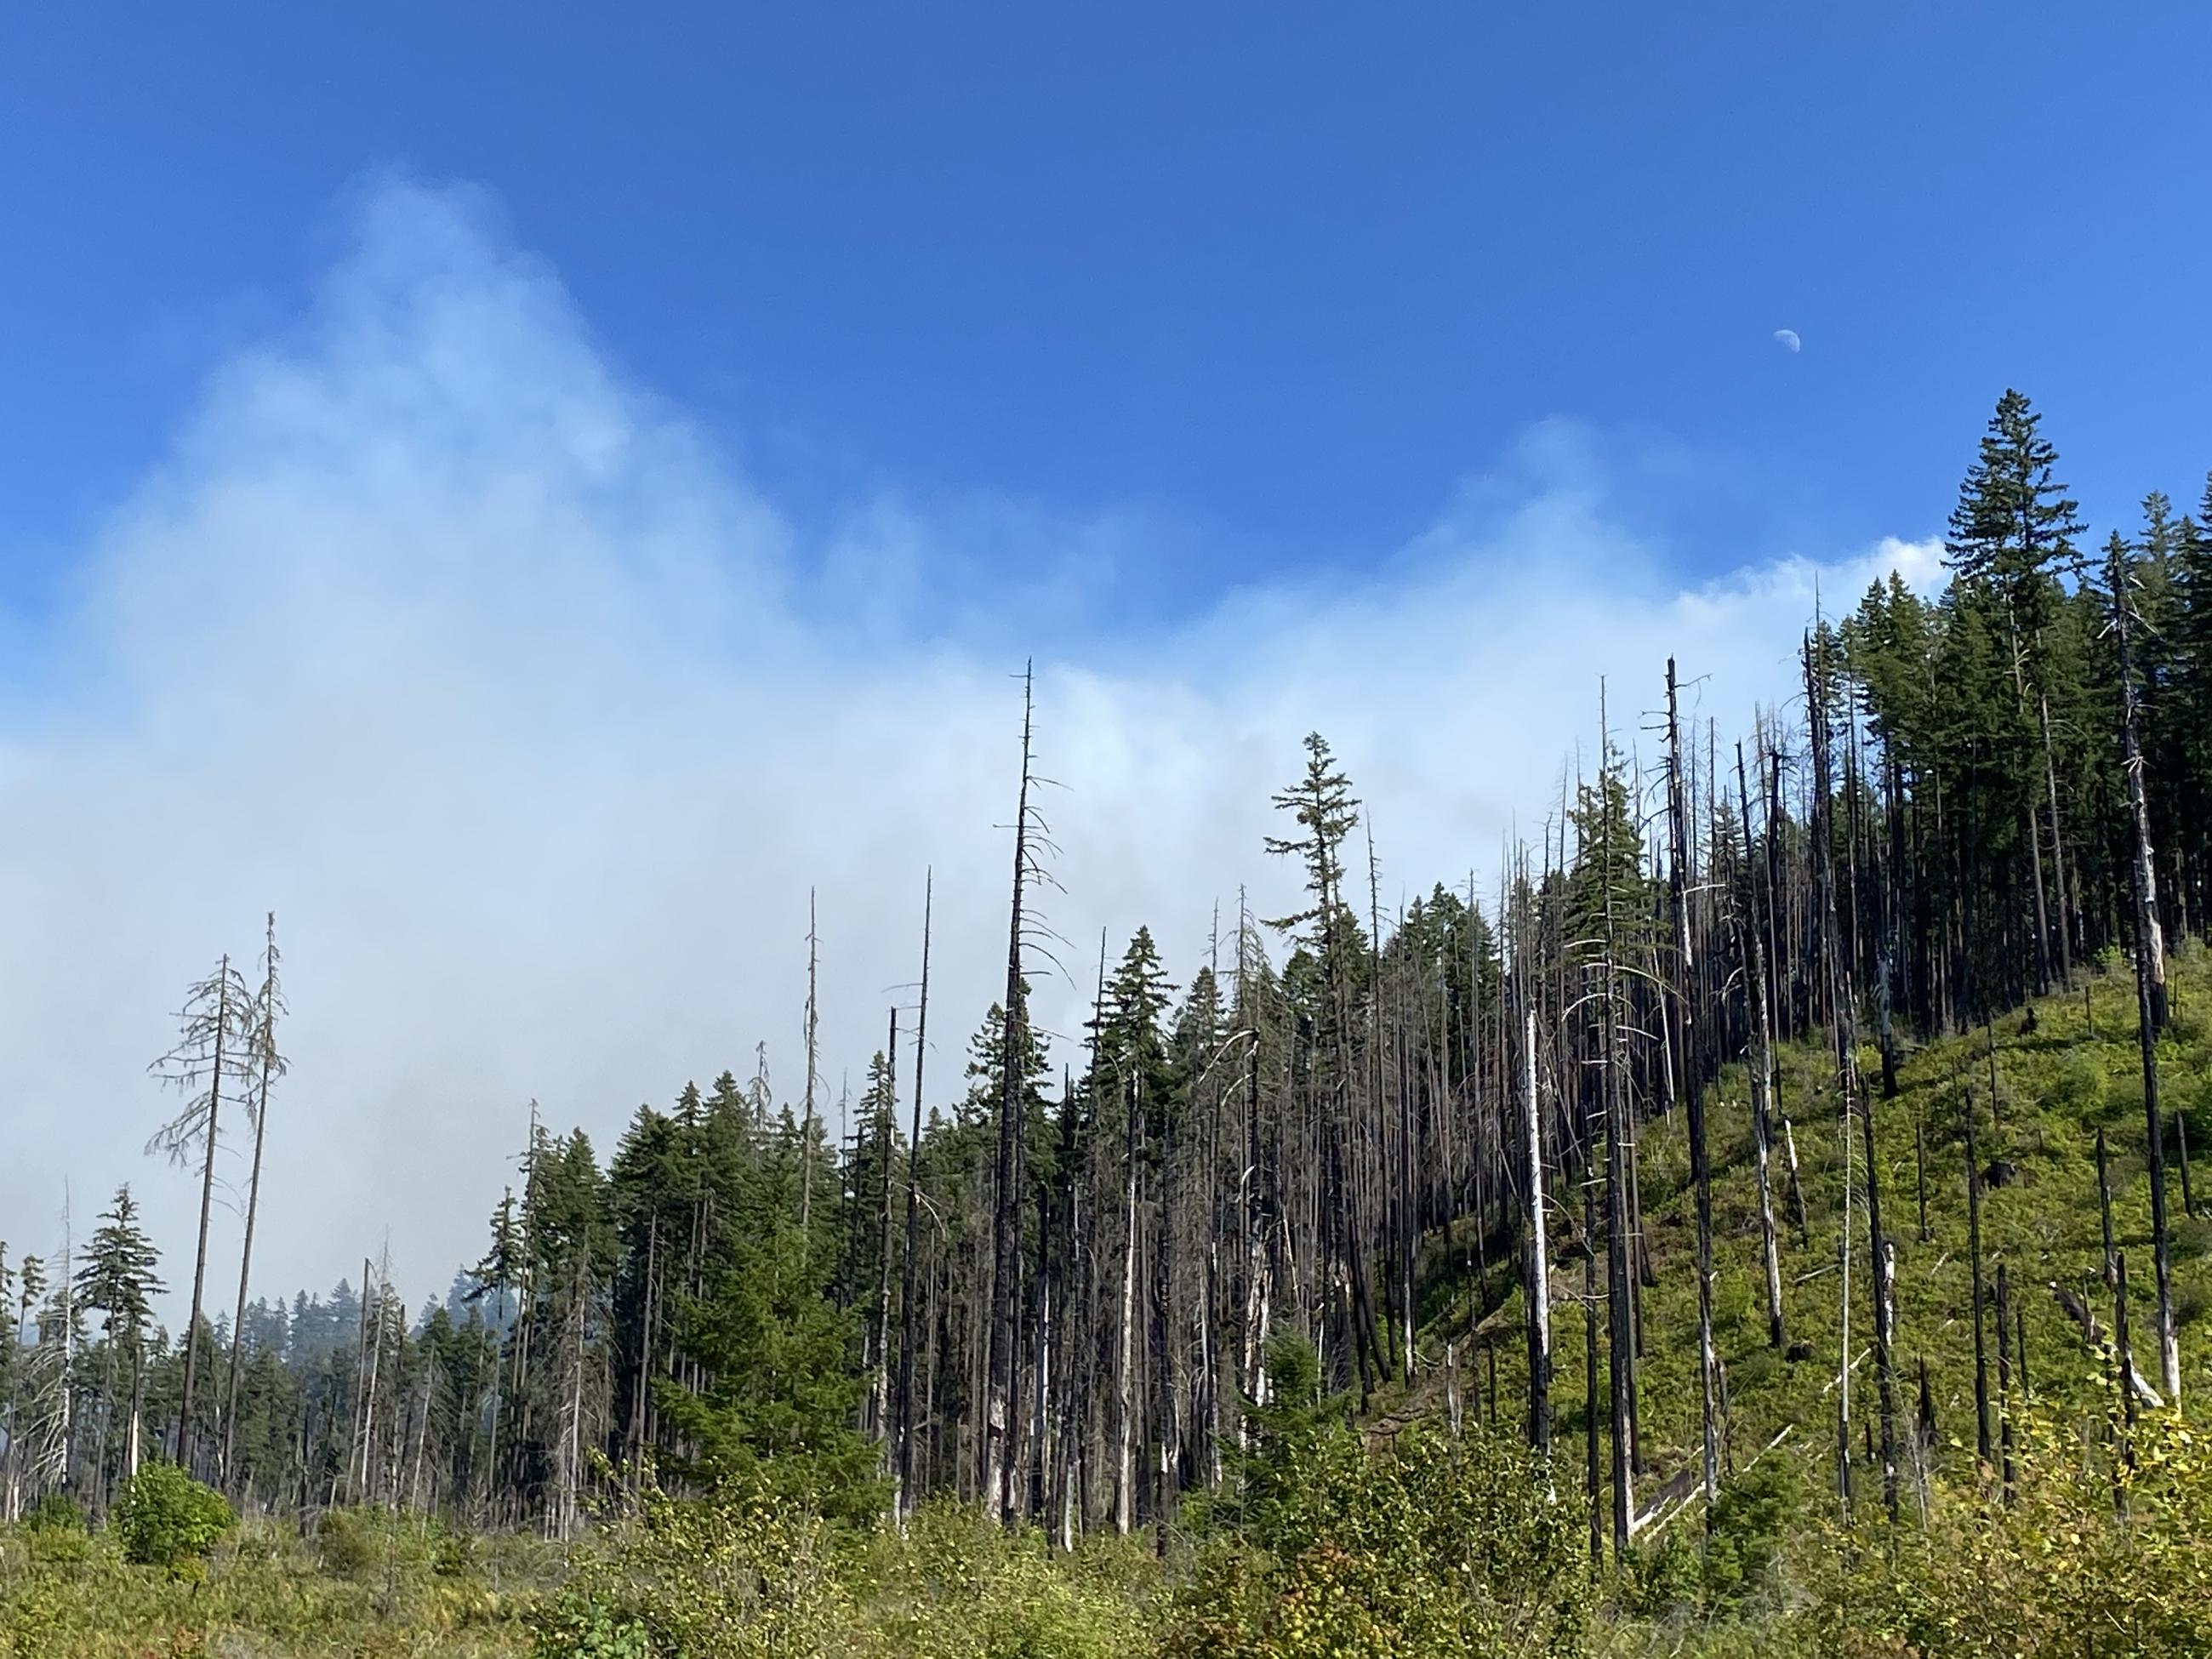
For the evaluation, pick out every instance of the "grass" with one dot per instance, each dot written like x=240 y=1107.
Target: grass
x=373 y=1587
x=2055 y=1086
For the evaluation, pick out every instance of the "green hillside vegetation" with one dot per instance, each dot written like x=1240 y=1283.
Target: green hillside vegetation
x=2065 y=1073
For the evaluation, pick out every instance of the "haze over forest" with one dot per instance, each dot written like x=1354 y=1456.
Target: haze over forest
x=535 y=721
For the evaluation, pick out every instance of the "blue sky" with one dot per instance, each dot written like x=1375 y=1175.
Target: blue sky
x=1259 y=284
x=528 y=497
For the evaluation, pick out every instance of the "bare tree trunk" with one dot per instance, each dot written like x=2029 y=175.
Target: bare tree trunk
x=1761 y=1068
x=1621 y=1347
x=1844 y=1004
x=268 y=1063
x=2004 y=1388
x=1589 y=1375
x=806 y=1118
x=1006 y=1217
x=904 y=1491
x=1700 y=1173
x=2104 y=1207
x=1974 y=1253
x=2150 y=978
x=184 y=1433
x=1125 y=1488
x=1797 y=1186
x=879 y=1383
x=1538 y=1284
x=2057 y=844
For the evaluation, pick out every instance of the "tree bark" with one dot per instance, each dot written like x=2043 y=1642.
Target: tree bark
x=1005 y=1221
x=1537 y=1284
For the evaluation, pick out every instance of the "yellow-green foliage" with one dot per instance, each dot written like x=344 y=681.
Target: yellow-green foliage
x=1433 y=1549
x=2054 y=1573
x=1443 y=1546
x=263 y=1596
x=734 y=1580
x=955 y=1587
x=750 y=1578
x=165 y=1518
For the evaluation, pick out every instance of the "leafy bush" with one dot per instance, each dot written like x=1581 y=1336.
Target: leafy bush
x=1443 y=1546
x=956 y=1585
x=453 y=1552
x=55 y=1532
x=2054 y=1573
x=723 y=1578
x=2189 y=1301
x=580 y=1627
x=165 y=1518
x=2083 y=1084
x=2186 y=1022
x=343 y=1547
x=55 y=1512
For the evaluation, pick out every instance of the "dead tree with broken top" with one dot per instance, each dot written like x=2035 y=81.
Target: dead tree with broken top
x=209 y=1067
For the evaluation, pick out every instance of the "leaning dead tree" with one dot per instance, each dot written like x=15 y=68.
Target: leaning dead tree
x=267 y=1065
x=208 y=1066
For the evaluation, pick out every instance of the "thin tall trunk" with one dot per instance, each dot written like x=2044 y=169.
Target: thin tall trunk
x=997 y=1485
x=1692 y=1073
x=2004 y=1388
x=1538 y=1291
x=1762 y=1067
x=1125 y=1488
x=267 y=1064
x=2057 y=844
x=2150 y=979
x=806 y=1118
x=904 y=1491
x=879 y=1384
x=184 y=1428
x=1797 y=1186
x=2104 y=1205
x=1974 y=1256
x=1589 y=1375
x=1621 y=1347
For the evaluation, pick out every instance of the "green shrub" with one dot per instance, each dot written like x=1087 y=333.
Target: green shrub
x=55 y=1532
x=165 y=1518
x=723 y=1578
x=956 y=1583
x=2083 y=1084
x=585 y=1628
x=55 y=1512
x=1754 y=1518
x=343 y=1546
x=2191 y=1235
x=2189 y=1301
x=1357 y=1552
x=453 y=1552
x=2186 y=1022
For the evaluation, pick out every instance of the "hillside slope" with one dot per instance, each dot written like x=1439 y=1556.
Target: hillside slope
x=2063 y=1070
